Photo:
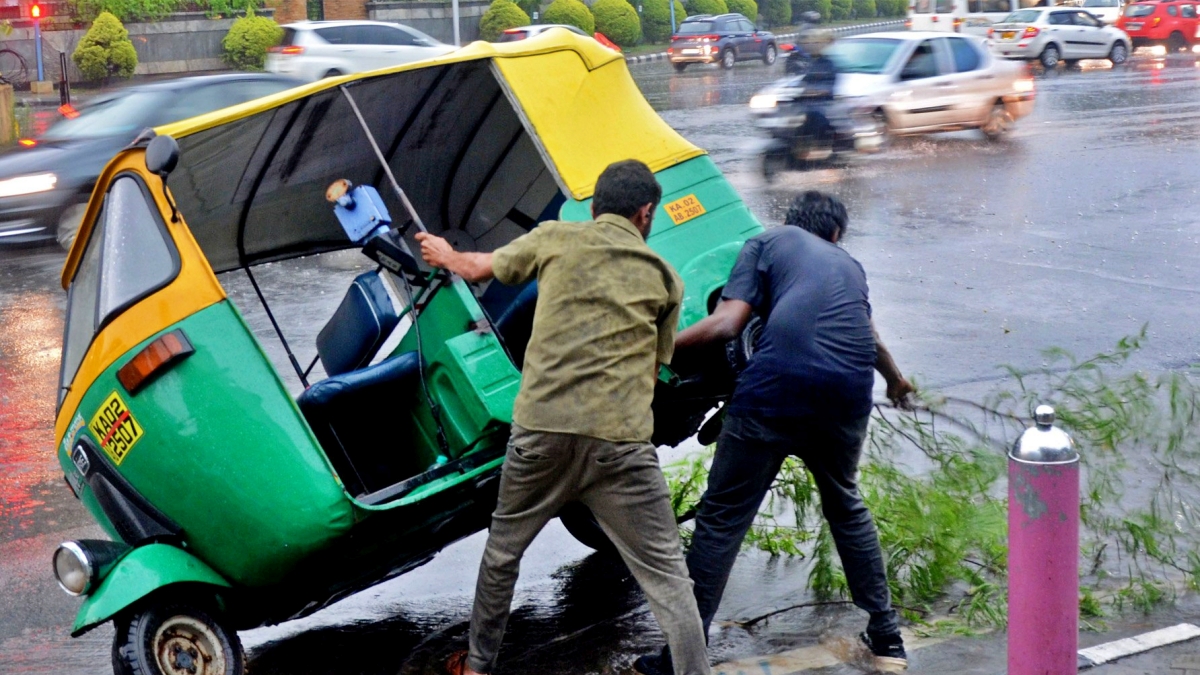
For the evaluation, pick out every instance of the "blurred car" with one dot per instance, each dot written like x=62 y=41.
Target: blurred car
x=525 y=32
x=311 y=50
x=45 y=182
x=724 y=39
x=919 y=82
x=1172 y=25
x=1052 y=34
x=1107 y=11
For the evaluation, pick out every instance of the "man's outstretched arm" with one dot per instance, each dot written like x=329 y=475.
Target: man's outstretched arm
x=725 y=323
x=470 y=266
x=898 y=388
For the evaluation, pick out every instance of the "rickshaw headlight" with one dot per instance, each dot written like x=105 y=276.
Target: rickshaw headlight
x=73 y=568
x=763 y=101
x=28 y=185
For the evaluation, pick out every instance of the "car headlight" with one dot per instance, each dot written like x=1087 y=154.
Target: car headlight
x=73 y=568
x=27 y=185
x=1023 y=86
x=763 y=101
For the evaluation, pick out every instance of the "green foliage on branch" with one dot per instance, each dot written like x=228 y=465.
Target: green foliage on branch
x=105 y=51
x=747 y=8
x=499 y=17
x=656 y=19
x=935 y=481
x=695 y=7
x=864 y=9
x=248 y=40
x=842 y=9
x=572 y=13
x=778 y=13
x=618 y=21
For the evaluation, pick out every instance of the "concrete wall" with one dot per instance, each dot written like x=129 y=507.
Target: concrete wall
x=432 y=18
x=181 y=43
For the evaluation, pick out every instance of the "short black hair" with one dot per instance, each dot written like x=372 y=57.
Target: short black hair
x=823 y=215
x=625 y=187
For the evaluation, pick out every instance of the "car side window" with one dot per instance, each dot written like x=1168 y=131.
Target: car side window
x=945 y=6
x=922 y=63
x=1172 y=11
x=385 y=35
x=337 y=35
x=923 y=7
x=1059 y=19
x=747 y=27
x=1087 y=20
x=1187 y=11
x=966 y=56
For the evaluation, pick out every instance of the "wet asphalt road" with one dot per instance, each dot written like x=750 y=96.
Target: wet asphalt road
x=1078 y=229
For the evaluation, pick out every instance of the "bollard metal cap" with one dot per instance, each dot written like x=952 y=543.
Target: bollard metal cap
x=1044 y=443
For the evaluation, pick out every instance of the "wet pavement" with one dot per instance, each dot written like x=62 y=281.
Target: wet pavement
x=1078 y=229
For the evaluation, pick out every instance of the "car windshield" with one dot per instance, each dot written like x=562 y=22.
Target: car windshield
x=113 y=117
x=695 y=27
x=1022 y=16
x=1139 y=10
x=1101 y=3
x=862 y=55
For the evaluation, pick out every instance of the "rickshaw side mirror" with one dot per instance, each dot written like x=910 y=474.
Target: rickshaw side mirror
x=162 y=156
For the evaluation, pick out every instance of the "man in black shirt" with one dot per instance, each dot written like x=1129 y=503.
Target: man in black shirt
x=805 y=392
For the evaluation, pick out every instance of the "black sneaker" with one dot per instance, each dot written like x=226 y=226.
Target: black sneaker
x=653 y=664
x=888 y=651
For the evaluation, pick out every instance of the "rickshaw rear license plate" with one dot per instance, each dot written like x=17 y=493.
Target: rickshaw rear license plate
x=684 y=209
x=115 y=428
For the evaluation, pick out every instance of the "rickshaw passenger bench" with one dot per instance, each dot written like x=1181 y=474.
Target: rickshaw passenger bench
x=345 y=410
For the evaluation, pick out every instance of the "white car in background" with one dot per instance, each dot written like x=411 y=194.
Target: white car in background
x=1108 y=11
x=311 y=50
x=1051 y=35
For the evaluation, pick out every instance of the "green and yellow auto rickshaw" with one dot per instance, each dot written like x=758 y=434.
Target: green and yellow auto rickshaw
x=232 y=504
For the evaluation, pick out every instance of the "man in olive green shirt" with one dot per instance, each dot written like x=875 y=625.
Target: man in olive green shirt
x=606 y=314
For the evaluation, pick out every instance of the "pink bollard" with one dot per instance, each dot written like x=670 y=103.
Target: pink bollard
x=1043 y=551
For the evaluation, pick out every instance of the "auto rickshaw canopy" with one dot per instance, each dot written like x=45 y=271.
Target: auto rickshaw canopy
x=486 y=141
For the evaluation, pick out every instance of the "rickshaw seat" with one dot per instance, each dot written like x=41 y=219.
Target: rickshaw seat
x=359 y=327
x=358 y=419
x=515 y=323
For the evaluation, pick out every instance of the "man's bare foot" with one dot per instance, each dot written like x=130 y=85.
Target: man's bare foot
x=457 y=665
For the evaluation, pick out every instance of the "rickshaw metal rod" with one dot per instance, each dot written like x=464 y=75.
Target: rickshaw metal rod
x=412 y=212
x=278 y=331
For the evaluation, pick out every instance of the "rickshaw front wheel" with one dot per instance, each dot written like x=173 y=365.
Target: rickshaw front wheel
x=175 y=639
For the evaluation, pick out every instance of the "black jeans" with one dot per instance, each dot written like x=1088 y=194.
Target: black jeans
x=750 y=452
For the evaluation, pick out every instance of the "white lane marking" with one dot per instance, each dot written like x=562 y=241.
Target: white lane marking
x=1111 y=651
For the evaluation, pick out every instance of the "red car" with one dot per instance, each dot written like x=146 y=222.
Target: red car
x=1171 y=24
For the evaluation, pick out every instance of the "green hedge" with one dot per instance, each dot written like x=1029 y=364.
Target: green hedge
x=499 y=17
x=152 y=10
x=841 y=10
x=656 y=19
x=822 y=7
x=618 y=21
x=572 y=13
x=695 y=7
x=892 y=7
x=105 y=51
x=747 y=8
x=864 y=9
x=778 y=13
x=248 y=40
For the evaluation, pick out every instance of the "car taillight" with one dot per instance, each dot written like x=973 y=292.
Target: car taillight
x=290 y=50
x=709 y=38
x=27 y=143
x=514 y=31
x=958 y=22
x=908 y=24
x=1031 y=32
x=991 y=33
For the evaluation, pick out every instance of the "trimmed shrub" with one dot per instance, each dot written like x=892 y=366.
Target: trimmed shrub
x=105 y=51
x=656 y=19
x=499 y=17
x=529 y=6
x=864 y=9
x=822 y=7
x=841 y=10
x=747 y=8
x=618 y=21
x=248 y=40
x=572 y=13
x=695 y=7
x=892 y=7
x=779 y=12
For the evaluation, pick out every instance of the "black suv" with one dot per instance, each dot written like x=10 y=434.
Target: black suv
x=724 y=39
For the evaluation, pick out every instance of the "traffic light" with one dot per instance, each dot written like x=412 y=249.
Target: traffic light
x=35 y=11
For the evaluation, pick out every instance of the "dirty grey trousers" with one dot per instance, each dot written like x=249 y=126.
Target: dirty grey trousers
x=624 y=487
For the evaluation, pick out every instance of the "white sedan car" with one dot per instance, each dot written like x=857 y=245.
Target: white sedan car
x=311 y=50
x=922 y=82
x=1054 y=34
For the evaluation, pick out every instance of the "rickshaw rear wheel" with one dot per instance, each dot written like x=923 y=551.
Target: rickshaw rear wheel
x=175 y=638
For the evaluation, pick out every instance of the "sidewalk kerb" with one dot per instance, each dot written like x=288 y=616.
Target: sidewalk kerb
x=866 y=27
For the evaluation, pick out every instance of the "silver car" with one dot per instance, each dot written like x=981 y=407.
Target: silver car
x=311 y=50
x=1053 y=34
x=1108 y=11
x=923 y=82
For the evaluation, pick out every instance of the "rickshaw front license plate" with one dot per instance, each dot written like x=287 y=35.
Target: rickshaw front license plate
x=115 y=428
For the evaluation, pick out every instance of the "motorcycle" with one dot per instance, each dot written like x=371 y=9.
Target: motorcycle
x=808 y=123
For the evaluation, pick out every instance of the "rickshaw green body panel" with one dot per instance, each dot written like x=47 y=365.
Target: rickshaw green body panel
x=141 y=572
